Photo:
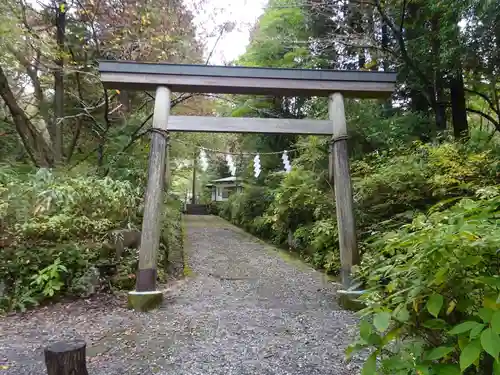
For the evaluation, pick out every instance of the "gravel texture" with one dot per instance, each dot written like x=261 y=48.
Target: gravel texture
x=245 y=309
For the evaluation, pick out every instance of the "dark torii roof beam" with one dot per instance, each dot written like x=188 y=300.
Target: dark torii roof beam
x=245 y=80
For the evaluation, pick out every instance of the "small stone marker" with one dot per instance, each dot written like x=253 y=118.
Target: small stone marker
x=66 y=358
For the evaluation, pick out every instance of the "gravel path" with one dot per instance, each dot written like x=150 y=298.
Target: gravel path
x=244 y=310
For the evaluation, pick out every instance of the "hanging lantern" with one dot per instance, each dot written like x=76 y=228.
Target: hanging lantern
x=286 y=162
x=256 y=165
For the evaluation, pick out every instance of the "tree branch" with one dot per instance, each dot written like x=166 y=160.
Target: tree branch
x=486 y=116
x=403 y=11
x=486 y=98
x=32 y=72
x=36 y=146
x=79 y=123
x=404 y=53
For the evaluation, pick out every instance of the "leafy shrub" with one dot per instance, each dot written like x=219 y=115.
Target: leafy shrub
x=246 y=208
x=298 y=200
x=52 y=230
x=325 y=251
x=390 y=188
x=214 y=208
x=271 y=213
x=433 y=302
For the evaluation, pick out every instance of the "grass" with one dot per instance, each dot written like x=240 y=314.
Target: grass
x=187 y=271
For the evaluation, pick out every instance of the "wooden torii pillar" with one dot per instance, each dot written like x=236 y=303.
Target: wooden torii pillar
x=167 y=78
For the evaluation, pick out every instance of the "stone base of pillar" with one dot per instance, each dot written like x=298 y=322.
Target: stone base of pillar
x=144 y=301
x=348 y=299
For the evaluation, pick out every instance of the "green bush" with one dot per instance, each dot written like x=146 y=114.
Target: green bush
x=317 y=245
x=390 y=188
x=247 y=208
x=298 y=200
x=433 y=292
x=214 y=208
x=53 y=230
x=393 y=185
x=271 y=213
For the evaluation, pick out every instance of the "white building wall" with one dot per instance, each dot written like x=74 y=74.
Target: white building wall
x=219 y=192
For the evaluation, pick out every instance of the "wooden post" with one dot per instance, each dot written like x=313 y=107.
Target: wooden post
x=145 y=296
x=166 y=178
x=339 y=173
x=195 y=165
x=66 y=358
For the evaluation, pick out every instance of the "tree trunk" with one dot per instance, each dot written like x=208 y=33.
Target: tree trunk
x=356 y=22
x=418 y=100
x=440 y=110
x=36 y=146
x=56 y=132
x=195 y=165
x=66 y=358
x=385 y=45
x=100 y=152
x=457 y=90
x=371 y=31
x=440 y=105
x=458 y=106
x=387 y=103
x=125 y=101
x=75 y=139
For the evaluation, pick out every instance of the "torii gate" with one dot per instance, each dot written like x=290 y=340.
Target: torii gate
x=167 y=78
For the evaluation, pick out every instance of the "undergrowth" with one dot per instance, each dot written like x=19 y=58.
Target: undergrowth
x=390 y=188
x=428 y=228
x=433 y=292
x=55 y=235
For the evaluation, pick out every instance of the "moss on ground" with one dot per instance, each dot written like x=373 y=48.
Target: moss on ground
x=187 y=270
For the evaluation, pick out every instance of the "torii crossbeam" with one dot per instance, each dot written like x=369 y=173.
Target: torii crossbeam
x=167 y=78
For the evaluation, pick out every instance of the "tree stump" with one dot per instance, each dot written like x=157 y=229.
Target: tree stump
x=66 y=358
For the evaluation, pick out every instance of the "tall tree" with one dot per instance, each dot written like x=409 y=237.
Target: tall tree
x=54 y=43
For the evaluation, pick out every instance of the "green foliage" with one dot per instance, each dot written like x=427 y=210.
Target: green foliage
x=298 y=200
x=276 y=39
x=391 y=188
x=435 y=280
x=427 y=213
x=318 y=245
x=247 y=208
x=53 y=231
x=371 y=128
x=48 y=281
x=391 y=185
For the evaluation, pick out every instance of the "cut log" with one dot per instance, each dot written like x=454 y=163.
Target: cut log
x=66 y=358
